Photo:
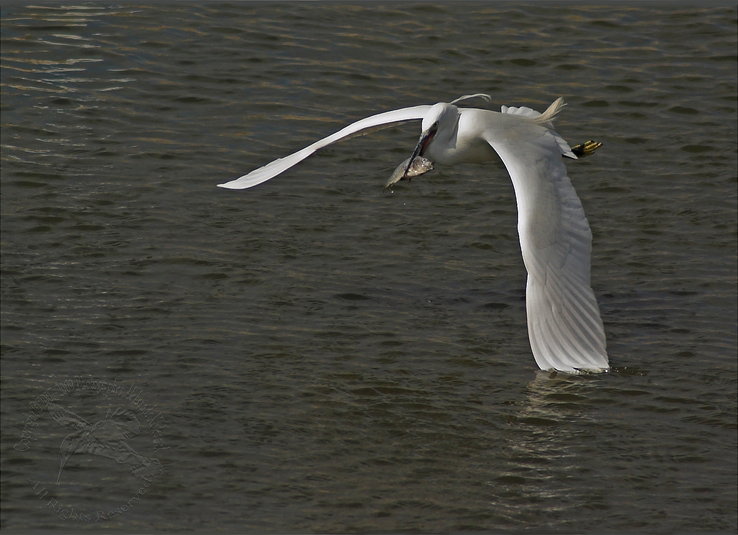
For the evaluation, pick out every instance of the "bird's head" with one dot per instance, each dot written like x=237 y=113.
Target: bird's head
x=442 y=117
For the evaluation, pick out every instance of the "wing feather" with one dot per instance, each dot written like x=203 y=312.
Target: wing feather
x=564 y=324
x=552 y=111
x=359 y=128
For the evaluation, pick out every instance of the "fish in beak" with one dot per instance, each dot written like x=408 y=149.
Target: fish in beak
x=425 y=140
x=418 y=166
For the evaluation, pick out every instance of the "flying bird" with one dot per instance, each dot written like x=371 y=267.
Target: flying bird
x=564 y=325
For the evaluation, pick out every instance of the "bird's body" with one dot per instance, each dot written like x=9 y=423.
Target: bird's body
x=464 y=142
x=564 y=325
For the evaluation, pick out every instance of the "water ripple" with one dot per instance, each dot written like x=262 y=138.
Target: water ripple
x=330 y=357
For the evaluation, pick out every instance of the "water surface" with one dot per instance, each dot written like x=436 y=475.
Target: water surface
x=317 y=355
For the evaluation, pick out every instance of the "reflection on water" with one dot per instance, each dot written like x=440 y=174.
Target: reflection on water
x=547 y=474
x=328 y=357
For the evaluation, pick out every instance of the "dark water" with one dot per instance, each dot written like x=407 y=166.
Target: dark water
x=315 y=355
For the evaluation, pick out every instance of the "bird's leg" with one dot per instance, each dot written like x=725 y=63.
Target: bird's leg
x=586 y=148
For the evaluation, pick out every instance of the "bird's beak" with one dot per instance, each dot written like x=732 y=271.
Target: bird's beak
x=425 y=140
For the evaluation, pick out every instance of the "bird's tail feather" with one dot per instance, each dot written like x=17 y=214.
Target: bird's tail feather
x=552 y=111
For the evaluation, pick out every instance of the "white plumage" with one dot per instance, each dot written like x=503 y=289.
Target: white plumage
x=564 y=324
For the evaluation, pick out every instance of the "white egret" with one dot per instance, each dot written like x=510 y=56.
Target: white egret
x=564 y=325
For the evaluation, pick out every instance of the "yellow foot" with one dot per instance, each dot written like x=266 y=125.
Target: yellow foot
x=586 y=148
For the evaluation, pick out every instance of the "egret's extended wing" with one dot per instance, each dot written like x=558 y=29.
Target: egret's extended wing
x=359 y=128
x=553 y=110
x=564 y=324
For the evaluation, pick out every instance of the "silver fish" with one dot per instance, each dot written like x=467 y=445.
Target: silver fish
x=420 y=165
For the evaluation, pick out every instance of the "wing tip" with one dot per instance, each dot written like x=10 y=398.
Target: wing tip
x=558 y=367
x=229 y=185
x=243 y=182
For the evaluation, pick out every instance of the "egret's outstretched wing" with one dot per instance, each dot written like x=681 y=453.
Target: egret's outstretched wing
x=564 y=325
x=551 y=113
x=359 y=128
